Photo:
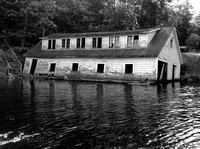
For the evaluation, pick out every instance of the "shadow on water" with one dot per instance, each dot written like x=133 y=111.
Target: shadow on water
x=60 y=114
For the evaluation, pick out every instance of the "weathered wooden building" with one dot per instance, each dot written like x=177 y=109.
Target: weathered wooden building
x=152 y=54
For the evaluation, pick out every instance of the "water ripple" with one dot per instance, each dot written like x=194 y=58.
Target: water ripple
x=57 y=114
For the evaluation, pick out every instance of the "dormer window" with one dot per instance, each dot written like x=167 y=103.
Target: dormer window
x=97 y=42
x=52 y=44
x=65 y=43
x=80 y=43
x=130 y=41
x=114 y=42
x=111 y=42
x=136 y=40
x=94 y=42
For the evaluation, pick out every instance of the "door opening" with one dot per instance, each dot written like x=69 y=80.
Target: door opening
x=162 y=71
x=33 y=66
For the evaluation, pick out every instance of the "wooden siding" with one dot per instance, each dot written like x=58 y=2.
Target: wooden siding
x=142 y=67
x=171 y=56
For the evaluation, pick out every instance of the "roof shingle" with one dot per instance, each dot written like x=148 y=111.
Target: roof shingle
x=153 y=50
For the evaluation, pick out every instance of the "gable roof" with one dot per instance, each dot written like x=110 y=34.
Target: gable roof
x=153 y=49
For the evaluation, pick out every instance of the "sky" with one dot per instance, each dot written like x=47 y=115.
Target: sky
x=195 y=4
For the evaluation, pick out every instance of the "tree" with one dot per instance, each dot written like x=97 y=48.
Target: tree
x=10 y=17
x=153 y=13
x=23 y=21
x=180 y=18
x=193 y=41
x=37 y=16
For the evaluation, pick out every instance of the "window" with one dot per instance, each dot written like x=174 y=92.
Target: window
x=111 y=42
x=63 y=43
x=97 y=42
x=171 y=42
x=136 y=39
x=83 y=43
x=52 y=44
x=128 y=68
x=117 y=41
x=49 y=44
x=80 y=43
x=68 y=43
x=74 y=66
x=100 y=68
x=130 y=41
x=94 y=42
x=52 y=67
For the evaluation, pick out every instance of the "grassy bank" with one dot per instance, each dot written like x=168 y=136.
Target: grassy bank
x=190 y=70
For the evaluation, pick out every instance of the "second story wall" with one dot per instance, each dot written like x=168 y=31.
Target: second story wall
x=98 y=42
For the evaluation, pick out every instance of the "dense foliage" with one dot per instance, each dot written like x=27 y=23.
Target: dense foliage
x=24 y=21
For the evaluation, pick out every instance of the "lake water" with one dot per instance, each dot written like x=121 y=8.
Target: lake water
x=89 y=115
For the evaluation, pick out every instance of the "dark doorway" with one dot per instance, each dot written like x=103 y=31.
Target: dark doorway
x=33 y=66
x=128 y=68
x=99 y=42
x=162 y=71
x=52 y=67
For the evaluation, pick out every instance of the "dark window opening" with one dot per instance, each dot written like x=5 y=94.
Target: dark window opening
x=52 y=67
x=83 y=43
x=63 y=43
x=99 y=42
x=75 y=67
x=136 y=37
x=94 y=42
x=68 y=43
x=49 y=44
x=100 y=68
x=54 y=44
x=129 y=68
x=78 y=43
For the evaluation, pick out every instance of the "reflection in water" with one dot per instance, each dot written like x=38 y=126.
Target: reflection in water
x=99 y=95
x=61 y=114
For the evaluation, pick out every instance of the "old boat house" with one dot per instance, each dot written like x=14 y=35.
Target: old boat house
x=152 y=54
